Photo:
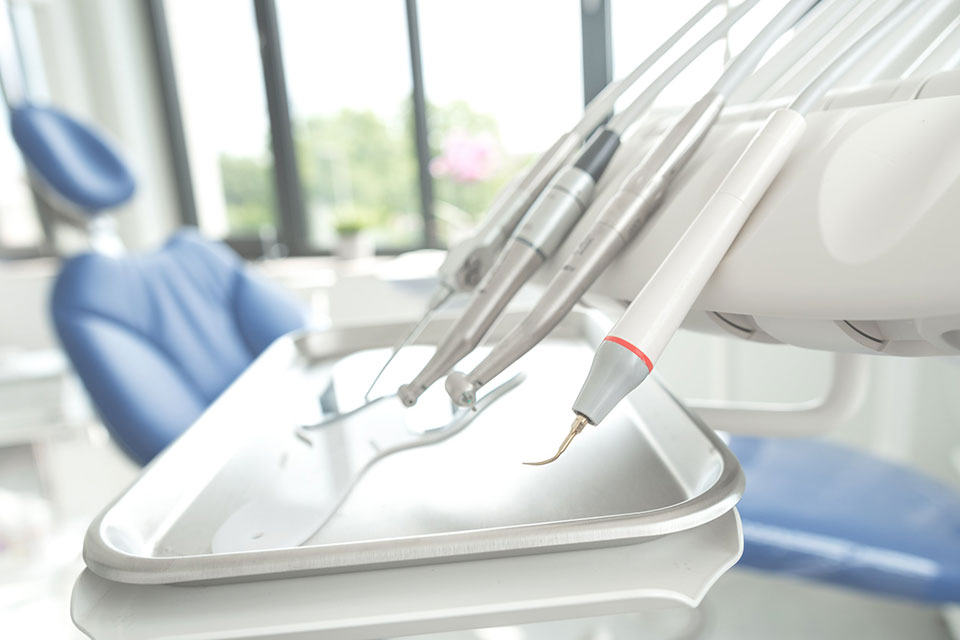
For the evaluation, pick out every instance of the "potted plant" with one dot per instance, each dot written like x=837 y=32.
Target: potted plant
x=354 y=227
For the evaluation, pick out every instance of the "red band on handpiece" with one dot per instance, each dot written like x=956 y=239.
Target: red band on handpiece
x=636 y=351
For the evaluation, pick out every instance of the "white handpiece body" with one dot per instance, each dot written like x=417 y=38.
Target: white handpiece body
x=641 y=334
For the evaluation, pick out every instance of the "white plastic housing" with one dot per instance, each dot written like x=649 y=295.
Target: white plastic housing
x=853 y=248
x=660 y=307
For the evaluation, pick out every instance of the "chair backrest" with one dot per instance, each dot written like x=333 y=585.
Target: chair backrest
x=823 y=511
x=155 y=338
x=77 y=163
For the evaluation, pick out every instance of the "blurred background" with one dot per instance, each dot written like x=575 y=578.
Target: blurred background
x=282 y=127
x=198 y=81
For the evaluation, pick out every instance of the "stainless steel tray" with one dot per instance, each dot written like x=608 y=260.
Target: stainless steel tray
x=328 y=500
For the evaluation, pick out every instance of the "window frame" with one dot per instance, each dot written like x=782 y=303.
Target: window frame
x=291 y=221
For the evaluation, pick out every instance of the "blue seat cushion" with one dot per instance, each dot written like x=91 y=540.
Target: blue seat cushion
x=72 y=159
x=830 y=513
x=156 y=338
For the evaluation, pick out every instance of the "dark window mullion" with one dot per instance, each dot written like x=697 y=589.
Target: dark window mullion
x=597 y=46
x=176 y=137
x=290 y=203
x=420 y=126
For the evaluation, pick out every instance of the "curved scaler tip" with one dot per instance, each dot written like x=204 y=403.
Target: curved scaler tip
x=578 y=424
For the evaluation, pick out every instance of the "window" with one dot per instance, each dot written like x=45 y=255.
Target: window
x=502 y=81
x=359 y=140
x=347 y=67
x=216 y=59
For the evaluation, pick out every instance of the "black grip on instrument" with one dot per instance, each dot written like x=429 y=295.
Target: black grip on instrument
x=596 y=156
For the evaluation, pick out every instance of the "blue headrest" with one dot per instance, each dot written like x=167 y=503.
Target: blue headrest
x=76 y=162
x=156 y=338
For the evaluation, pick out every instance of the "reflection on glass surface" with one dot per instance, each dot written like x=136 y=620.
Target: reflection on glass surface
x=503 y=81
x=349 y=82
x=216 y=55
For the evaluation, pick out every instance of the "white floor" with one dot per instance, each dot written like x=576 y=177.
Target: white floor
x=59 y=485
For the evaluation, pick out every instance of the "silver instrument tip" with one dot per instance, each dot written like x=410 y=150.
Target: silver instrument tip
x=578 y=424
x=408 y=395
x=460 y=389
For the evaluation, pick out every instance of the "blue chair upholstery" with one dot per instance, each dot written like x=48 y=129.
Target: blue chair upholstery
x=74 y=160
x=829 y=513
x=156 y=338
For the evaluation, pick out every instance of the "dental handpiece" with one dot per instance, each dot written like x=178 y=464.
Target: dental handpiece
x=549 y=220
x=623 y=216
x=628 y=353
x=466 y=264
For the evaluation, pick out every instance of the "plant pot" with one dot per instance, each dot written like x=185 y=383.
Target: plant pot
x=355 y=245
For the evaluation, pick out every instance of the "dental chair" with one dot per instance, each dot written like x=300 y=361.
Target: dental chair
x=79 y=175
x=825 y=512
x=154 y=338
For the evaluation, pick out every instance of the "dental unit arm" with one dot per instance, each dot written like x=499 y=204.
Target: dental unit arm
x=554 y=214
x=466 y=263
x=628 y=353
x=623 y=216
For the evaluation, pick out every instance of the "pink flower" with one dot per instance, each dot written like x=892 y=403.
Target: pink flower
x=466 y=157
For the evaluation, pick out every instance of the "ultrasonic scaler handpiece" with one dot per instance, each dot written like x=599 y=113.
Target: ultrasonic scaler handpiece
x=578 y=425
x=639 y=337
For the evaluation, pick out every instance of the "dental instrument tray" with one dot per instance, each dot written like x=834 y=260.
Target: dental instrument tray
x=288 y=473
